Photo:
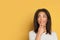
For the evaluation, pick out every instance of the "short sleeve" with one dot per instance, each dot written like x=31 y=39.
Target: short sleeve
x=31 y=35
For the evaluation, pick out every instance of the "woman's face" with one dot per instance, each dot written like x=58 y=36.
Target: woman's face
x=42 y=18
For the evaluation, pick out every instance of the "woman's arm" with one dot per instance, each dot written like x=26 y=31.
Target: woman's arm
x=40 y=31
x=32 y=36
x=38 y=36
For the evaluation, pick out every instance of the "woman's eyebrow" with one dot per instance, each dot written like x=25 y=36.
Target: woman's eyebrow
x=38 y=15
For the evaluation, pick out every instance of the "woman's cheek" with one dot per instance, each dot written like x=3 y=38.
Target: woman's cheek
x=38 y=21
x=45 y=21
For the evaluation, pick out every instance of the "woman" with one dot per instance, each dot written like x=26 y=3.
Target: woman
x=42 y=26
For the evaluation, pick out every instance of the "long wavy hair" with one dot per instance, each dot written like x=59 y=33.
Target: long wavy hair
x=48 y=24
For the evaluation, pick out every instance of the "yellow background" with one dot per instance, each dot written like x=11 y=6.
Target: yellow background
x=16 y=17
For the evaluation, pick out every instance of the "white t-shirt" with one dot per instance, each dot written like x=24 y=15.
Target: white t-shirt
x=53 y=36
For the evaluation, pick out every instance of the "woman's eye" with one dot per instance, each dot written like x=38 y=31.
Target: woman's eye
x=39 y=16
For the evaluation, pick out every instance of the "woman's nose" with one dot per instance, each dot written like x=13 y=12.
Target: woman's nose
x=41 y=19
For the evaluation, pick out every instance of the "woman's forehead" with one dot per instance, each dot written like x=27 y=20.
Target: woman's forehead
x=41 y=13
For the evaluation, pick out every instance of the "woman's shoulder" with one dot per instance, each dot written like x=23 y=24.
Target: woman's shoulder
x=53 y=33
x=32 y=35
x=32 y=32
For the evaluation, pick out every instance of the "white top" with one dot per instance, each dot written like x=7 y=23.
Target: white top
x=44 y=36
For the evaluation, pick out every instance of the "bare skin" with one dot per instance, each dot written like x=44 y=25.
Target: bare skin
x=40 y=32
x=42 y=20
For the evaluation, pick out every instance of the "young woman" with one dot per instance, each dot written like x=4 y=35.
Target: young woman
x=42 y=26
